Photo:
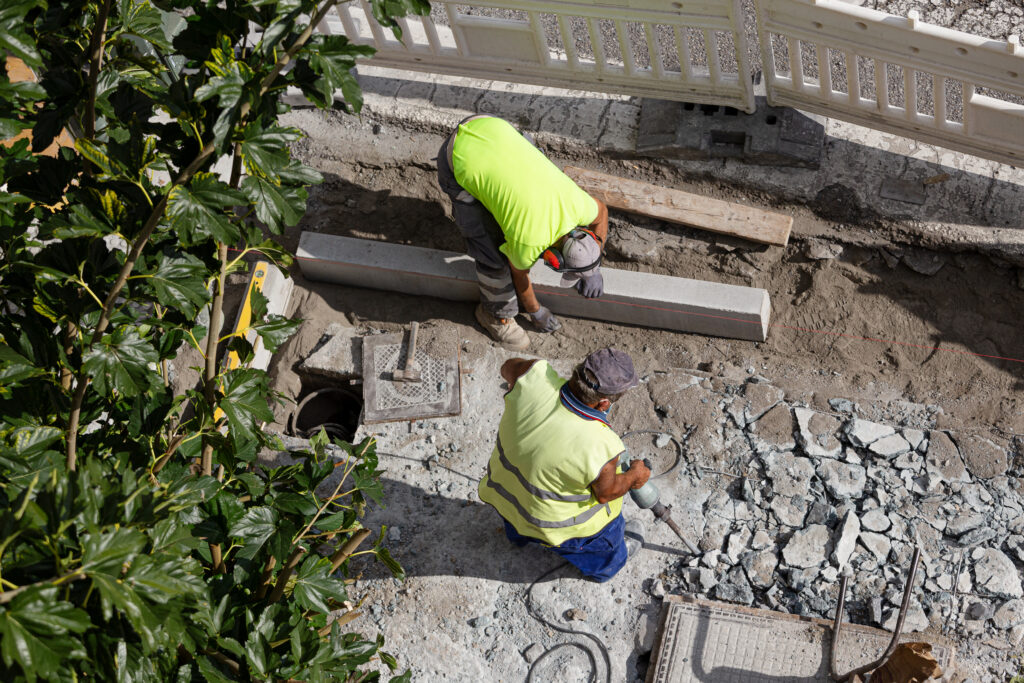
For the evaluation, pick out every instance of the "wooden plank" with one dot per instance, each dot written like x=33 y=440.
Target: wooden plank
x=677 y=206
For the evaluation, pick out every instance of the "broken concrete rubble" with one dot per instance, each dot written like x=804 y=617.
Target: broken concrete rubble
x=995 y=574
x=846 y=540
x=861 y=501
x=818 y=433
x=808 y=547
x=774 y=430
x=863 y=433
x=842 y=480
x=983 y=458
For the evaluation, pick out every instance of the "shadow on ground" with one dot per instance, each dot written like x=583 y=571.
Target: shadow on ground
x=951 y=195
x=448 y=535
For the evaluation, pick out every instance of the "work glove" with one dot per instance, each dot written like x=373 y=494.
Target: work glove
x=591 y=286
x=544 y=320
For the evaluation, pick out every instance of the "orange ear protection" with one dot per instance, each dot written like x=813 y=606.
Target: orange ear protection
x=552 y=256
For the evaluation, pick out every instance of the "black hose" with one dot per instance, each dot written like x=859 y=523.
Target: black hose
x=555 y=648
x=673 y=439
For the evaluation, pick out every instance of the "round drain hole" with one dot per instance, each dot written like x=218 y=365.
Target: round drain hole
x=335 y=409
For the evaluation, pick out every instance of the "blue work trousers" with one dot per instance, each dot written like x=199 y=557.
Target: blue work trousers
x=599 y=557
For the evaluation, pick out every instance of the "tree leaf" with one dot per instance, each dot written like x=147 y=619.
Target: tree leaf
x=256 y=647
x=279 y=206
x=179 y=283
x=296 y=503
x=145 y=21
x=27 y=442
x=33 y=633
x=120 y=363
x=93 y=152
x=107 y=551
x=13 y=37
x=276 y=330
x=265 y=151
x=160 y=580
x=385 y=11
x=315 y=588
x=197 y=213
x=210 y=671
x=256 y=526
x=391 y=563
x=229 y=79
x=244 y=402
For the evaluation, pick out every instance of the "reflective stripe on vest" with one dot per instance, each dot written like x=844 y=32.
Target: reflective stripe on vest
x=542 y=523
x=534 y=490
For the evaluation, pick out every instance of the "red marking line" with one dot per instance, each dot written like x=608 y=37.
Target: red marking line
x=722 y=317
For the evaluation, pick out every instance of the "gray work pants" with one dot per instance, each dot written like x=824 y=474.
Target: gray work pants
x=483 y=236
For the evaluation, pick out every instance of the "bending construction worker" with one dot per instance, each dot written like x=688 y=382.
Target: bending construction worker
x=514 y=206
x=554 y=473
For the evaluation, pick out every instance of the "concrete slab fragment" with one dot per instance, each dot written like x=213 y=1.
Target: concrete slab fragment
x=633 y=298
x=700 y=640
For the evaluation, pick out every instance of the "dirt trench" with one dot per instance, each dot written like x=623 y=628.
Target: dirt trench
x=852 y=315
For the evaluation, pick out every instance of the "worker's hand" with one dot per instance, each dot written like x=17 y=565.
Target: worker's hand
x=544 y=320
x=591 y=286
x=641 y=473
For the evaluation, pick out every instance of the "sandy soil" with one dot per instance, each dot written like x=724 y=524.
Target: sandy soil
x=860 y=325
x=942 y=351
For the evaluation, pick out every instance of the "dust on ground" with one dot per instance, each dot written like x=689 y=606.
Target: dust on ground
x=858 y=322
x=854 y=316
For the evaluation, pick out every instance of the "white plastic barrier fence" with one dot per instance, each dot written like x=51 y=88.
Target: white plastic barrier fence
x=895 y=74
x=688 y=51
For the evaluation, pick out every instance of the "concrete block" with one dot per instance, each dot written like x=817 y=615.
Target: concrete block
x=633 y=298
x=339 y=356
x=775 y=136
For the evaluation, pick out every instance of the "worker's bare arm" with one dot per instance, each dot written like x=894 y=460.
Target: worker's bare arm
x=524 y=290
x=610 y=485
x=600 y=224
x=514 y=368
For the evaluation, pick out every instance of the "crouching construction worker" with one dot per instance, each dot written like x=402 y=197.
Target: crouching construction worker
x=514 y=206
x=554 y=473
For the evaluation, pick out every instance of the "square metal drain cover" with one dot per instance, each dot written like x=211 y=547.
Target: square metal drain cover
x=700 y=640
x=438 y=394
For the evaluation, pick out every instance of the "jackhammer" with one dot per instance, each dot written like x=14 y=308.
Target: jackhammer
x=648 y=497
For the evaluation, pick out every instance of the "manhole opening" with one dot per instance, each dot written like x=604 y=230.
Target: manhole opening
x=336 y=409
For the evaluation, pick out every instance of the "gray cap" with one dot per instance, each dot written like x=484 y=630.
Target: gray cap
x=611 y=371
x=579 y=249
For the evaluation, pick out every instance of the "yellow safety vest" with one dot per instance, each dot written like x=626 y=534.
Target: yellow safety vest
x=546 y=457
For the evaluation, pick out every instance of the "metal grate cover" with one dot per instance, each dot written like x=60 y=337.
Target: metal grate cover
x=700 y=640
x=438 y=394
x=432 y=388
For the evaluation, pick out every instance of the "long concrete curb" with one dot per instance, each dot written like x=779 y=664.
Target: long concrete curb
x=643 y=299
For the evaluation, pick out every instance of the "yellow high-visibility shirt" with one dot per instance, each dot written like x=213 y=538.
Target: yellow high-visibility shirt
x=530 y=198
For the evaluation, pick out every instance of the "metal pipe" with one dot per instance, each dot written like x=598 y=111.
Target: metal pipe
x=895 y=635
x=836 y=626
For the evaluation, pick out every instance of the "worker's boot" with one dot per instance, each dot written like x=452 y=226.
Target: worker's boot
x=634 y=532
x=505 y=331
